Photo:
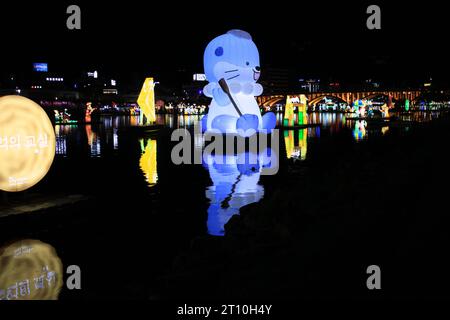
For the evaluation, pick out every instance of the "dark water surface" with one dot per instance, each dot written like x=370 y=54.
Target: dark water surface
x=145 y=214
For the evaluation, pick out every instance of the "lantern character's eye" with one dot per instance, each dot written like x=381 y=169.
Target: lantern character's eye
x=219 y=51
x=247 y=63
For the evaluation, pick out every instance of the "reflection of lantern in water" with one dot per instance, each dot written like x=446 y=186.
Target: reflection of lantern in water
x=293 y=150
x=147 y=162
x=298 y=103
x=359 y=132
x=235 y=184
x=27 y=143
x=231 y=63
x=303 y=143
x=289 y=143
x=93 y=142
x=30 y=270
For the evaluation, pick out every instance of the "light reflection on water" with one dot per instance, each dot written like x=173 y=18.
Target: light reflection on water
x=148 y=161
x=359 y=131
x=31 y=270
x=233 y=185
x=104 y=134
x=296 y=142
x=93 y=142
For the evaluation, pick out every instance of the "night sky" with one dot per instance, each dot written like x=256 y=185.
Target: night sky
x=311 y=38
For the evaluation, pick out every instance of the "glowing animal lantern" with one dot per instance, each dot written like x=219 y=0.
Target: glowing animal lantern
x=146 y=101
x=231 y=63
x=27 y=143
x=30 y=270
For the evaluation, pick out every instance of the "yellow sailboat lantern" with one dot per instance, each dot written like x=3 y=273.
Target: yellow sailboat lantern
x=146 y=102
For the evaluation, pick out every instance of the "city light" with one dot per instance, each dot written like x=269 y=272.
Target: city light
x=40 y=67
x=93 y=74
x=54 y=79
x=156 y=152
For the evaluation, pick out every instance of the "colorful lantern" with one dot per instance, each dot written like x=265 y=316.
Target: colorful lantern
x=231 y=63
x=27 y=143
x=146 y=102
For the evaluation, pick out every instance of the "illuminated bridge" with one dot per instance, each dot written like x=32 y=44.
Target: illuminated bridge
x=347 y=97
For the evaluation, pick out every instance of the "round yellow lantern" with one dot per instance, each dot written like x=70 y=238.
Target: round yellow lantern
x=27 y=143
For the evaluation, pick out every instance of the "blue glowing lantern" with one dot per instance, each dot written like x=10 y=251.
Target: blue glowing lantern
x=232 y=68
x=235 y=184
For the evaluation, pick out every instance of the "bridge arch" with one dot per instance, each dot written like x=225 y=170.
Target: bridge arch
x=378 y=94
x=272 y=101
x=347 y=97
x=326 y=95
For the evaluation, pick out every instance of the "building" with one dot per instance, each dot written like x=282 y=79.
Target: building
x=275 y=80
x=310 y=85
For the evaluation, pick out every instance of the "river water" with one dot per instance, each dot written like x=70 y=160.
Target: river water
x=143 y=205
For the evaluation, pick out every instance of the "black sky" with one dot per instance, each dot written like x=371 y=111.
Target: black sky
x=322 y=39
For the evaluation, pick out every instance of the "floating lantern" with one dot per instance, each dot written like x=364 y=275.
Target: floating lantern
x=88 y=113
x=384 y=110
x=146 y=102
x=360 y=107
x=27 y=143
x=231 y=63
